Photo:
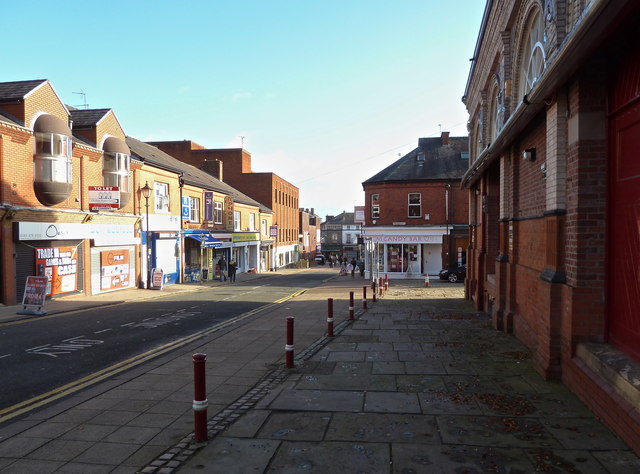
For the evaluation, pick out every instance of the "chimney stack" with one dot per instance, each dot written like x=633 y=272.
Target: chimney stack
x=213 y=167
x=444 y=138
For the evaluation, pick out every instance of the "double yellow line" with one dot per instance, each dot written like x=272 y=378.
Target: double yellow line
x=18 y=409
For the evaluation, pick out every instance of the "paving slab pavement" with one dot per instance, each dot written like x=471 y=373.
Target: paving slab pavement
x=418 y=383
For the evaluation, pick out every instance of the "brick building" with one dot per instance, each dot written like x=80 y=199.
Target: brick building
x=339 y=236
x=309 y=233
x=554 y=101
x=233 y=166
x=416 y=215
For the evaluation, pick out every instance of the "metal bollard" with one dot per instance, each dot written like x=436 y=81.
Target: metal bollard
x=289 y=346
x=200 y=402
x=381 y=286
x=330 y=317
x=351 y=308
x=364 y=297
x=373 y=288
x=386 y=281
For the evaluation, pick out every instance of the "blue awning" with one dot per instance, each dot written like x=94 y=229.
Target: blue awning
x=205 y=240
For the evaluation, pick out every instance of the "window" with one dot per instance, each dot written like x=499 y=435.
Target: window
x=375 y=206
x=194 y=211
x=252 y=222
x=52 y=167
x=334 y=237
x=264 y=227
x=161 y=191
x=236 y=220
x=415 y=207
x=533 y=61
x=217 y=212
x=349 y=241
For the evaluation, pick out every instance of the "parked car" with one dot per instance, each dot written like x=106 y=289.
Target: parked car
x=320 y=259
x=454 y=274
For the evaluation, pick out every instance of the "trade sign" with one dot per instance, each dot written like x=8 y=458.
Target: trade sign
x=104 y=198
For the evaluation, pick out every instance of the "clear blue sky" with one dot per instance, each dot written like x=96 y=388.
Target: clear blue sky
x=325 y=93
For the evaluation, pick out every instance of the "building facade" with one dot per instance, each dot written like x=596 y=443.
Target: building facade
x=309 y=226
x=233 y=166
x=339 y=236
x=554 y=101
x=416 y=215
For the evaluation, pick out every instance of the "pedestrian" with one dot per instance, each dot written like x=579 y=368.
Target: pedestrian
x=361 y=268
x=232 y=271
x=222 y=264
x=350 y=269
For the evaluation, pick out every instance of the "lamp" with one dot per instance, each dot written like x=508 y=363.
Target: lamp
x=146 y=193
x=529 y=154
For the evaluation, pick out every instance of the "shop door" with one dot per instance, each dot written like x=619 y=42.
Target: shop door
x=624 y=231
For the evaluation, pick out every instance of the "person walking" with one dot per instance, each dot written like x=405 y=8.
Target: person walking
x=350 y=268
x=232 y=271
x=222 y=264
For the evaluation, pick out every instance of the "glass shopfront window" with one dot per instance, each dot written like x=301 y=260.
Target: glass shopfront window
x=403 y=258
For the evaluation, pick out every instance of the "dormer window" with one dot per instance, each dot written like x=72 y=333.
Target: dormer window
x=116 y=168
x=52 y=170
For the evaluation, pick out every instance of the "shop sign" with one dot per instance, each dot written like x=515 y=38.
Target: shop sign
x=208 y=206
x=114 y=269
x=104 y=198
x=59 y=265
x=186 y=208
x=273 y=231
x=228 y=212
x=245 y=237
x=406 y=239
x=358 y=217
x=71 y=231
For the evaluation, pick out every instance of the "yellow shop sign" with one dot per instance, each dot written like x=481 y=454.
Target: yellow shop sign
x=245 y=237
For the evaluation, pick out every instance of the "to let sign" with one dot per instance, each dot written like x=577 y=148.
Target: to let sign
x=104 y=198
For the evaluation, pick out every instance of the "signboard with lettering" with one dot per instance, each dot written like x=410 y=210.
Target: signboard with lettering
x=208 y=206
x=228 y=212
x=114 y=269
x=273 y=231
x=186 y=208
x=60 y=266
x=35 y=291
x=104 y=198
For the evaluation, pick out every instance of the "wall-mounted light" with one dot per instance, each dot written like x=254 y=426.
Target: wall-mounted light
x=529 y=154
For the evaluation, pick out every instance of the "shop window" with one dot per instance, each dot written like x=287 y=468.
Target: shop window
x=52 y=160
x=116 y=163
x=194 y=209
x=375 y=206
x=403 y=258
x=415 y=205
x=217 y=212
x=161 y=198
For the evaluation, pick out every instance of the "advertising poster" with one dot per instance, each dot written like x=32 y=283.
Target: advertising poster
x=60 y=266
x=208 y=207
x=35 y=291
x=114 y=269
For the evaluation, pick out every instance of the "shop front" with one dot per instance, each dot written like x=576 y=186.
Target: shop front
x=245 y=252
x=199 y=255
x=406 y=255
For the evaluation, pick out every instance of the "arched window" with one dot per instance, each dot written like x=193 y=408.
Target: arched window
x=116 y=168
x=494 y=113
x=52 y=170
x=533 y=59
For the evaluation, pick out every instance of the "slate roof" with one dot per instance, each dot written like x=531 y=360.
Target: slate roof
x=87 y=117
x=18 y=89
x=191 y=175
x=441 y=163
x=346 y=218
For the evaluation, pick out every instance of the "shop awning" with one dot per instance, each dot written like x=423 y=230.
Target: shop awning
x=206 y=240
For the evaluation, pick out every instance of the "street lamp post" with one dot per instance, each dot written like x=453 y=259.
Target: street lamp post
x=146 y=193
x=447 y=187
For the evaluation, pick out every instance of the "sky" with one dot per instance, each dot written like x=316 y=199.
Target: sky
x=322 y=93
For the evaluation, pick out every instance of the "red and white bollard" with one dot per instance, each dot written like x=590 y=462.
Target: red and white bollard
x=386 y=281
x=200 y=402
x=288 y=348
x=330 y=317
x=373 y=289
x=426 y=280
x=381 y=286
x=364 y=297
x=351 y=308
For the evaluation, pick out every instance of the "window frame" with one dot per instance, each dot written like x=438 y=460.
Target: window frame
x=237 y=221
x=161 y=200
x=194 y=209
x=218 y=212
x=375 y=206
x=412 y=206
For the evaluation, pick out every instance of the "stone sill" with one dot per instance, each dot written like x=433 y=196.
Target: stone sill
x=618 y=369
